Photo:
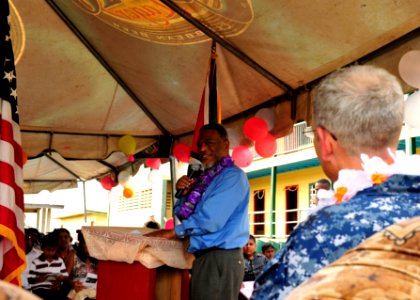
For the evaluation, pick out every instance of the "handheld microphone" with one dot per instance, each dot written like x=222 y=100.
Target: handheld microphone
x=194 y=171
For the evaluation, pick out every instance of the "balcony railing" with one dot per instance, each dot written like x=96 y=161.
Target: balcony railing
x=302 y=214
x=292 y=142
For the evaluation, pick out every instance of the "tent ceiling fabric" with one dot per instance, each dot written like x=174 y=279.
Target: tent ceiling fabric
x=90 y=71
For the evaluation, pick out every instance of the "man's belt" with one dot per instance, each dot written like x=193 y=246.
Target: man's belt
x=200 y=253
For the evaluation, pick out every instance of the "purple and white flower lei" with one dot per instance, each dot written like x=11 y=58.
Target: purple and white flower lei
x=201 y=185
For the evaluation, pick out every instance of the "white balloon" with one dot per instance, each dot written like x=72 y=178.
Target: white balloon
x=154 y=176
x=268 y=115
x=409 y=68
x=234 y=137
x=123 y=177
x=412 y=110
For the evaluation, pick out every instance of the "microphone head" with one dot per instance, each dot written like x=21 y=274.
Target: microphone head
x=195 y=164
x=196 y=167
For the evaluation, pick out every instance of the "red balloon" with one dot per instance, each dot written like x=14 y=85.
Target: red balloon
x=267 y=146
x=169 y=224
x=255 y=128
x=153 y=163
x=107 y=183
x=182 y=152
x=242 y=156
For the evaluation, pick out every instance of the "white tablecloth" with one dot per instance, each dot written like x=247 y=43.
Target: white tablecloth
x=129 y=245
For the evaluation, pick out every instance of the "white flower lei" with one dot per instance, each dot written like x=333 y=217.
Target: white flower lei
x=375 y=171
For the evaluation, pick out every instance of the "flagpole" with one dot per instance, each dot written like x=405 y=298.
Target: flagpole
x=213 y=102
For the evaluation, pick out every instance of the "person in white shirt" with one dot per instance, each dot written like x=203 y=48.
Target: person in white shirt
x=32 y=252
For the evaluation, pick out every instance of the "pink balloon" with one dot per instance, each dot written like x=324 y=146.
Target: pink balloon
x=153 y=163
x=255 y=128
x=107 y=183
x=409 y=68
x=242 y=156
x=182 y=152
x=169 y=224
x=267 y=146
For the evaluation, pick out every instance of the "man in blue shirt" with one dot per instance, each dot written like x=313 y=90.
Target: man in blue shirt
x=214 y=213
x=358 y=116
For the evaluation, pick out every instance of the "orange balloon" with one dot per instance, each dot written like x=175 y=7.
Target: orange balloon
x=128 y=192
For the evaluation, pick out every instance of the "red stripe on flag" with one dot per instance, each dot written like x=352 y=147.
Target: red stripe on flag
x=10 y=221
x=7 y=136
x=7 y=176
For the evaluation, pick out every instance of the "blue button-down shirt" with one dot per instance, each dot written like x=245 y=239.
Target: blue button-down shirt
x=220 y=219
x=327 y=234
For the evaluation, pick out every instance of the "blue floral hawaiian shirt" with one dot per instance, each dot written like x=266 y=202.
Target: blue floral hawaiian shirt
x=327 y=234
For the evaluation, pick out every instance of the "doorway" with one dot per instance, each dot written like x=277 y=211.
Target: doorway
x=291 y=204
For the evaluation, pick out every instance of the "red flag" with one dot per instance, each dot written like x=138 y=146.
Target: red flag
x=210 y=108
x=12 y=236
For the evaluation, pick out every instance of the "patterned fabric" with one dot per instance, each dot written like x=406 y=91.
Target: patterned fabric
x=385 y=266
x=30 y=256
x=326 y=235
x=128 y=245
x=200 y=186
x=254 y=266
x=81 y=268
x=41 y=266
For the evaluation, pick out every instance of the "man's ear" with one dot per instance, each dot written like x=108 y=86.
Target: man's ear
x=226 y=143
x=325 y=141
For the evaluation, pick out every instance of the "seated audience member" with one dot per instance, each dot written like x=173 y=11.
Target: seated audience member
x=32 y=252
x=254 y=262
x=48 y=271
x=268 y=250
x=358 y=114
x=385 y=266
x=65 y=249
x=84 y=272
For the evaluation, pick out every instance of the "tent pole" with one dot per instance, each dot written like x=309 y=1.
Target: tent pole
x=173 y=187
x=84 y=201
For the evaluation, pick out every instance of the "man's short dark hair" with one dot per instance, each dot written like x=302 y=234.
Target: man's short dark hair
x=324 y=182
x=152 y=225
x=267 y=246
x=50 y=240
x=217 y=127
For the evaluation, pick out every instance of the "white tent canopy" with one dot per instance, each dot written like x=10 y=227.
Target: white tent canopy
x=91 y=71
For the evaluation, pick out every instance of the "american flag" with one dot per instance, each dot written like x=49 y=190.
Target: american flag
x=12 y=237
